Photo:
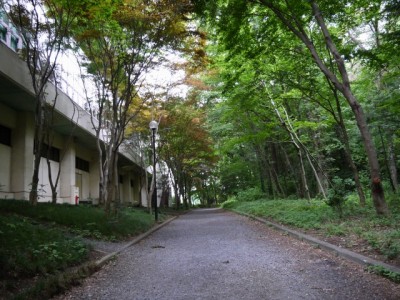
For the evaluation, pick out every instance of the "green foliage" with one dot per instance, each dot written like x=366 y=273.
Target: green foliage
x=28 y=248
x=382 y=271
x=298 y=213
x=36 y=241
x=336 y=196
x=251 y=194
x=335 y=229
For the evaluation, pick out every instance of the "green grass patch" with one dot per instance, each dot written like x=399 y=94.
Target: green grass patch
x=39 y=244
x=84 y=220
x=382 y=271
x=298 y=213
x=29 y=249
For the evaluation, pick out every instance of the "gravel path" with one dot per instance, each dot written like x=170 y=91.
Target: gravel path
x=213 y=254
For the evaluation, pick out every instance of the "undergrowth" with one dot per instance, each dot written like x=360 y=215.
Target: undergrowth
x=38 y=244
x=87 y=221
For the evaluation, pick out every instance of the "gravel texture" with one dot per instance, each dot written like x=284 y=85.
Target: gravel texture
x=213 y=254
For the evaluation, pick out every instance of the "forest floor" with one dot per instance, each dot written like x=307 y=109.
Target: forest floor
x=356 y=244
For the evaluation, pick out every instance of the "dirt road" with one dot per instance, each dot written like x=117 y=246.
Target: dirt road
x=213 y=254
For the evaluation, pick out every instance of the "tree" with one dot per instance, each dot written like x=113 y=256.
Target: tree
x=304 y=21
x=185 y=146
x=122 y=40
x=44 y=27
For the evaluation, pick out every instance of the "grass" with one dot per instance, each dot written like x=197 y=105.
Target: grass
x=87 y=221
x=381 y=233
x=39 y=244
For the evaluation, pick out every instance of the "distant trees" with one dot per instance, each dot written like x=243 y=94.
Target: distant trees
x=186 y=148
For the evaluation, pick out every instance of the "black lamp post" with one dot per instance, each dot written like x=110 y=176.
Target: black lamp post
x=153 y=126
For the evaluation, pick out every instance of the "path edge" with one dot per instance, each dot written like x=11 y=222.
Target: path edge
x=100 y=262
x=336 y=250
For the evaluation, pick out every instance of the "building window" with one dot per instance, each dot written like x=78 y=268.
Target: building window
x=3 y=33
x=14 y=43
x=5 y=135
x=51 y=153
x=81 y=164
x=132 y=183
x=121 y=179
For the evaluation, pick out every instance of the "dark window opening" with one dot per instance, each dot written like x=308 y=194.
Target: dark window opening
x=81 y=164
x=5 y=135
x=3 y=33
x=14 y=43
x=132 y=183
x=51 y=153
x=121 y=179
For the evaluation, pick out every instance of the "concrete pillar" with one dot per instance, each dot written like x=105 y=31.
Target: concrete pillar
x=22 y=156
x=67 y=175
x=126 y=190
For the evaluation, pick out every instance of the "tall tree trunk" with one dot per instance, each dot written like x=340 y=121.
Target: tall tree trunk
x=275 y=169
x=303 y=174
x=347 y=149
x=262 y=168
x=38 y=144
x=286 y=123
x=392 y=167
x=117 y=193
x=291 y=170
x=378 y=195
x=386 y=156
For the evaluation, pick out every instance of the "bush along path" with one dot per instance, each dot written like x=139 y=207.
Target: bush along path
x=46 y=249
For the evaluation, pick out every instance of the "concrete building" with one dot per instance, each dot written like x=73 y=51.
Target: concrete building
x=73 y=150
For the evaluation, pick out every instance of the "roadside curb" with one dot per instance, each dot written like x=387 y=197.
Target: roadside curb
x=338 y=251
x=100 y=262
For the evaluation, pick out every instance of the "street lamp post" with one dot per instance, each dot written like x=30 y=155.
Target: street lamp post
x=153 y=126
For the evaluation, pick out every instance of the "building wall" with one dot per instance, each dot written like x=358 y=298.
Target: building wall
x=84 y=179
x=7 y=119
x=5 y=166
x=44 y=190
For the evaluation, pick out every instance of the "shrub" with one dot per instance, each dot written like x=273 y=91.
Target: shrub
x=336 y=196
x=229 y=204
x=251 y=194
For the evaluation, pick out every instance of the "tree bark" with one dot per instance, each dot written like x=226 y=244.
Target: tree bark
x=347 y=149
x=392 y=167
x=303 y=174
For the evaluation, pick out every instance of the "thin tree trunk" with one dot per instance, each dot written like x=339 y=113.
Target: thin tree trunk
x=378 y=195
x=347 y=149
x=38 y=144
x=290 y=168
x=303 y=174
x=392 y=167
x=386 y=156
x=299 y=145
